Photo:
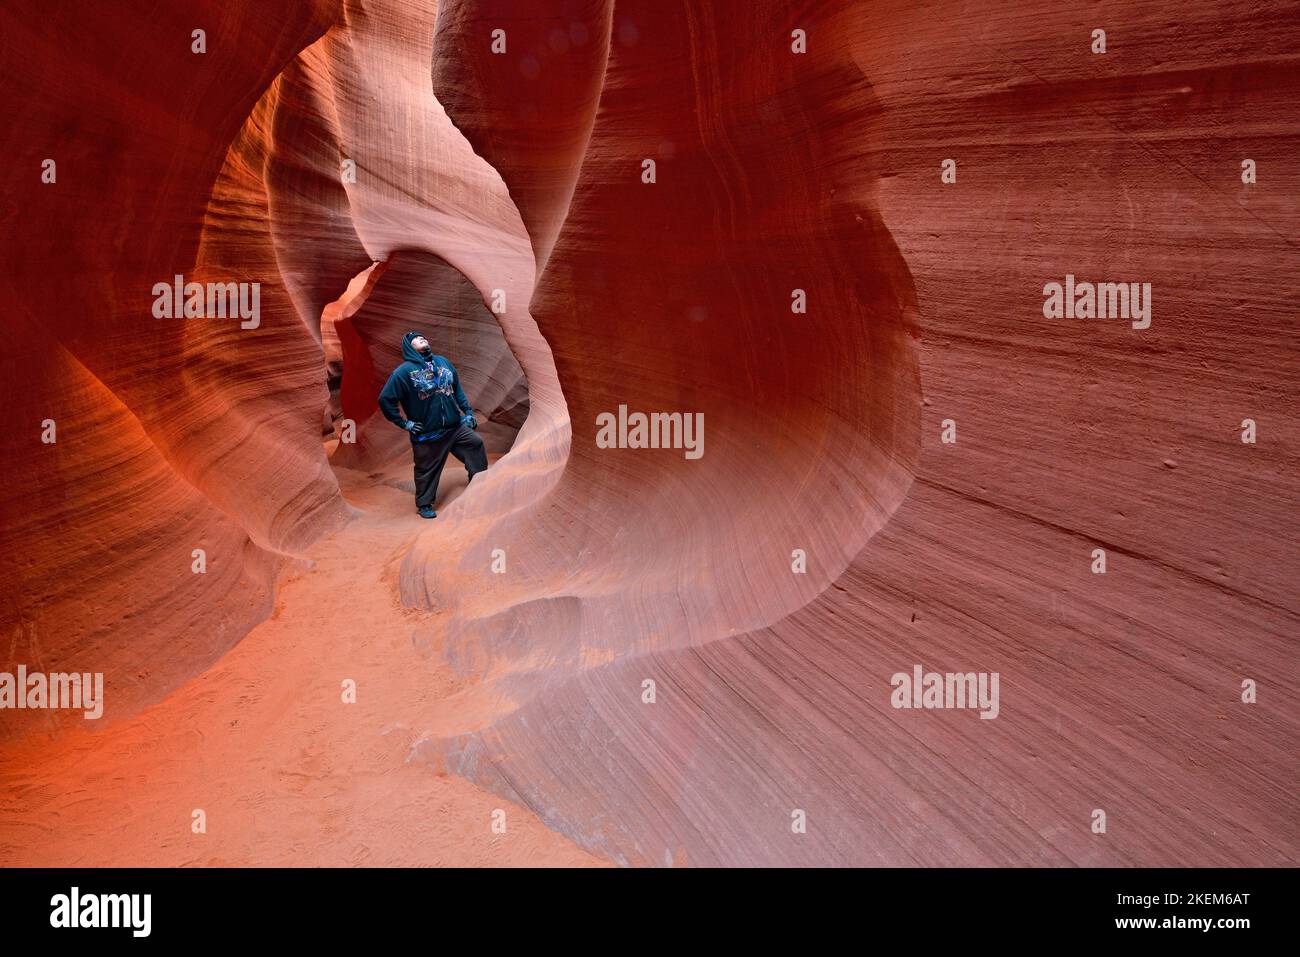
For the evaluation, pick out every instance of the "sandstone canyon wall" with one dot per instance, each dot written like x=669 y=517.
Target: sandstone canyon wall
x=827 y=538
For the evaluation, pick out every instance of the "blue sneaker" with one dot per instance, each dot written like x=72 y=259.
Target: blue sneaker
x=428 y=512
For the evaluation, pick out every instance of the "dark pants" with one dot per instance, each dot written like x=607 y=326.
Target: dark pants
x=430 y=457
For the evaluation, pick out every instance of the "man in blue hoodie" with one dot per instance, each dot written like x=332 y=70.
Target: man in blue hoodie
x=437 y=416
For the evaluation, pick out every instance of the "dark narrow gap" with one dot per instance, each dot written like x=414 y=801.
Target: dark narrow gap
x=338 y=340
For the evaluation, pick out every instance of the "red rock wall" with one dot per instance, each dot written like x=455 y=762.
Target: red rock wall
x=171 y=436
x=528 y=110
x=775 y=171
x=221 y=166
x=1120 y=692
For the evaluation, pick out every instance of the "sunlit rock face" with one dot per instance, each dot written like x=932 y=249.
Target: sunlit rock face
x=823 y=231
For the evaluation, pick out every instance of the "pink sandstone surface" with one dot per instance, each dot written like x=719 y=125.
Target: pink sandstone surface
x=498 y=205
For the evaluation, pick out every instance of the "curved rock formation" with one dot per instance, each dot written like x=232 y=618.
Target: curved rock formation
x=168 y=436
x=522 y=81
x=738 y=209
x=987 y=566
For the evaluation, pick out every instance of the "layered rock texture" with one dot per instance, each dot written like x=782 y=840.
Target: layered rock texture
x=824 y=226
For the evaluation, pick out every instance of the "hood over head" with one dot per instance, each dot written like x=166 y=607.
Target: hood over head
x=408 y=350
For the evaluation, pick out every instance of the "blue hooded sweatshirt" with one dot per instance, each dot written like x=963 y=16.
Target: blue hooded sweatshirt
x=429 y=391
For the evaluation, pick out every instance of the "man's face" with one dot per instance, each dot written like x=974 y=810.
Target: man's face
x=420 y=343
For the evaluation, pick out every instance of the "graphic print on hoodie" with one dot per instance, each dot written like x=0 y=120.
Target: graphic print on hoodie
x=429 y=392
x=430 y=379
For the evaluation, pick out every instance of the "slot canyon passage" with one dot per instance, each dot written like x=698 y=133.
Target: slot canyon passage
x=376 y=167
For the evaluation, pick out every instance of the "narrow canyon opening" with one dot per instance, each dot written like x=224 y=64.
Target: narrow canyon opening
x=361 y=336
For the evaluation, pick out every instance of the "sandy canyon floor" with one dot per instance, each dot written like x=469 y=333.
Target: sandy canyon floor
x=297 y=777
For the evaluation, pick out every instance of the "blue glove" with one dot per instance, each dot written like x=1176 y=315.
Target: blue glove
x=469 y=421
x=415 y=428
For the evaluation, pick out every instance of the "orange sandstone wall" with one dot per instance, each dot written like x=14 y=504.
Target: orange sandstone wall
x=1120 y=692
x=170 y=436
x=523 y=173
